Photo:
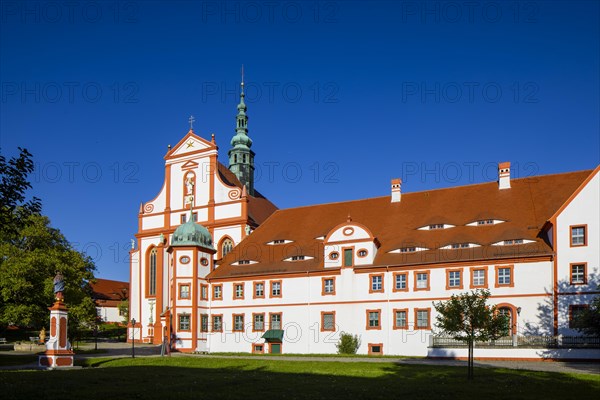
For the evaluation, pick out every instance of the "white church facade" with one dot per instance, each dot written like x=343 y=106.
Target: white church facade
x=218 y=268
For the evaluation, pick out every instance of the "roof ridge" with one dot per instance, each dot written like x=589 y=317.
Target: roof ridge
x=431 y=190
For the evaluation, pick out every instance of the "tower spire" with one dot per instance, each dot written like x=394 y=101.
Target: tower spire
x=241 y=157
x=242 y=84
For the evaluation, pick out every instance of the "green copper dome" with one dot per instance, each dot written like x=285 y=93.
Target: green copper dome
x=192 y=234
x=241 y=139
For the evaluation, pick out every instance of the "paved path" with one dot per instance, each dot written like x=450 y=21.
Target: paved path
x=145 y=350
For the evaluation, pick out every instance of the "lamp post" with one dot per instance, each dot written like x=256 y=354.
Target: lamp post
x=132 y=337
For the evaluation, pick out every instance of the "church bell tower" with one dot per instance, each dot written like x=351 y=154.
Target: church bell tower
x=241 y=157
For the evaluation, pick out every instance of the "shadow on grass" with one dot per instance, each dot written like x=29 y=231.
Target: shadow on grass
x=164 y=378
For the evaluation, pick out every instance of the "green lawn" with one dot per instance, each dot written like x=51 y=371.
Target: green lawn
x=227 y=378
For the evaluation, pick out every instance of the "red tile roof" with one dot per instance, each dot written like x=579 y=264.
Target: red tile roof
x=525 y=207
x=108 y=292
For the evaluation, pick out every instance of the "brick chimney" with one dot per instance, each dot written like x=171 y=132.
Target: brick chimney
x=504 y=175
x=396 y=194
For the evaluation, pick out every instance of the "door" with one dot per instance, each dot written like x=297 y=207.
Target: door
x=275 y=348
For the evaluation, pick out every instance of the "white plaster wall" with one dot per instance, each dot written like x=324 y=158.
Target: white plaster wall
x=338 y=234
x=222 y=191
x=583 y=209
x=135 y=285
x=228 y=211
x=152 y=222
x=159 y=203
x=109 y=314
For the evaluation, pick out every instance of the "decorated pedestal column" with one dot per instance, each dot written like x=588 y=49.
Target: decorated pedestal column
x=58 y=349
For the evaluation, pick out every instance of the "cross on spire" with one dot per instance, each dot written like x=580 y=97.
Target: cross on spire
x=191 y=122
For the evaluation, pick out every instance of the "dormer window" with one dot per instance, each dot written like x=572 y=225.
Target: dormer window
x=457 y=246
x=244 y=262
x=512 y=242
x=279 y=241
x=435 y=227
x=408 y=249
x=483 y=222
x=460 y=245
x=298 y=258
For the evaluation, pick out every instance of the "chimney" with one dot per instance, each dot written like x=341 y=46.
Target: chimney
x=504 y=175
x=396 y=194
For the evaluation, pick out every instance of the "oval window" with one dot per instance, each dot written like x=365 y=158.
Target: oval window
x=348 y=231
x=184 y=259
x=204 y=261
x=334 y=255
x=362 y=253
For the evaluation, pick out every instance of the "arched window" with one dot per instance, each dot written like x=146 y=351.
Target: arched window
x=226 y=247
x=152 y=273
x=508 y=313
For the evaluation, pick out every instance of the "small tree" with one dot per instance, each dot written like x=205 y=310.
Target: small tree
x=348 y=343
x=588 y=319
x=467 y=317
x=124 y=311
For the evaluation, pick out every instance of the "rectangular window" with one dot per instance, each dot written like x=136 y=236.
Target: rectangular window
x=373 y=319
x=183 y=218
x=195 y=217
x=575 y=311
x=217 y=323
x=376 y=283
x=258 y=348
x=454 y=279
x=348 y=260
x=238 y=291
x=401 y=319
x=275 y=288
x=259 y=290
x=238 y=322
x=275 y=321
x=184 y=322
x=204 y=323
x=578 y=274
x=578 y=235
x=328 y=286
x=400 y=281
x=203 y=292
x=375 y=349
x=217 y=292
x=327 y=321
x=504 y=276
x=478 y=278
x=258 y=322
x=421 y=280
x=184 y=291
x=422 y=318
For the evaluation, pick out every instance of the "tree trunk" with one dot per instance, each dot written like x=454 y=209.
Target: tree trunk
x=470 y=360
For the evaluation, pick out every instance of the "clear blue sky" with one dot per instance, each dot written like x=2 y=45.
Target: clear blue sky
x=342 y=97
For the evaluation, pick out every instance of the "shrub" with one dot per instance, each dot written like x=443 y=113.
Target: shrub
x=348 y=343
